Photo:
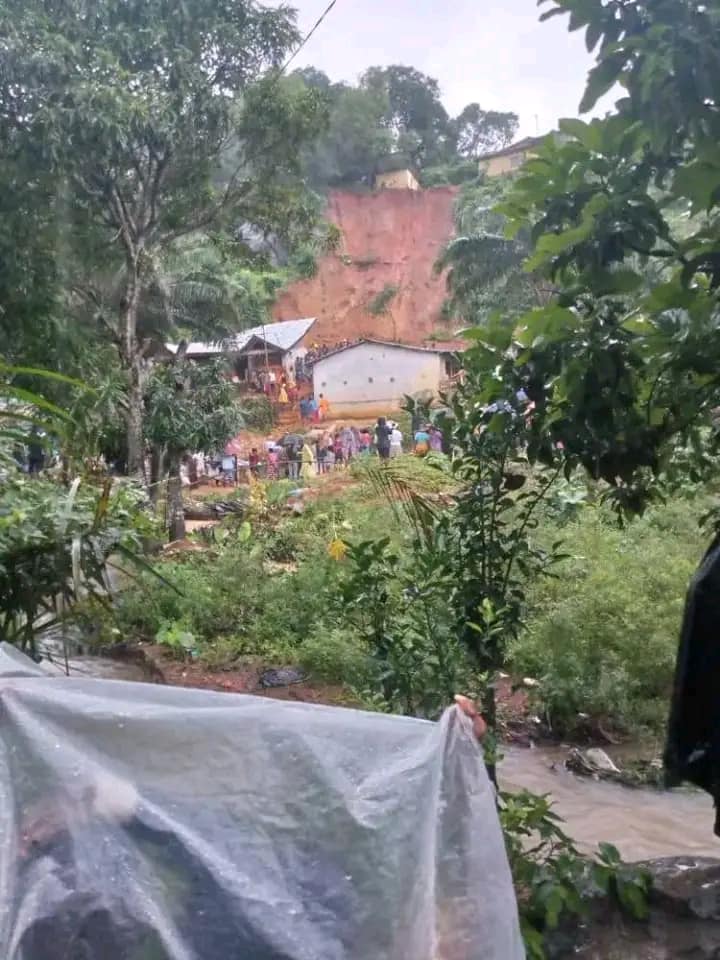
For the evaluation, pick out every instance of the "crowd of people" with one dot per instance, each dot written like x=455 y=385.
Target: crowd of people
x=298 y=457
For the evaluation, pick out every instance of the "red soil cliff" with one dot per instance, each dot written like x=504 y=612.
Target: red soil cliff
x=389 y=238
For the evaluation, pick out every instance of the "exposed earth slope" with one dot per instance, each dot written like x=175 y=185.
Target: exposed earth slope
x=390 y=241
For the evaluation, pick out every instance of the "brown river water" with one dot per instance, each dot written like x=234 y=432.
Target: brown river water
x=641 y=823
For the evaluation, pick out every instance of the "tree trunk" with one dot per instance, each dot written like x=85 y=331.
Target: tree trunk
x=157 y=467
x=176 y=510
x=135 y=445
x=133 y=362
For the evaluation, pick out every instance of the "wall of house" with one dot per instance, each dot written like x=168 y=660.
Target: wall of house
x=497 y=166
x=396 y=180
x=374 y=378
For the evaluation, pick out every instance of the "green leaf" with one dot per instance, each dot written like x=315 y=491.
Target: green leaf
x=699 y=181
x=607 y=282
x=670 y=296
x=550 y=322
x=35 y=400
x=602 y=78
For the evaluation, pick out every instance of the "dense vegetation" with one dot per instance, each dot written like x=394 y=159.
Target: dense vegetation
x=397 y=109
x=600 y=635
x=158 y=190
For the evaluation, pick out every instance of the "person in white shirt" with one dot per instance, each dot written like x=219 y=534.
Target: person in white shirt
x=396 y=439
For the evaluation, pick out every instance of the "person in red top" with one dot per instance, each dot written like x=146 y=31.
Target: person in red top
x=254 y=461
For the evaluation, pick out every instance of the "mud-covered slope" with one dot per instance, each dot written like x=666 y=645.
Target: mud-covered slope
x=389 y=239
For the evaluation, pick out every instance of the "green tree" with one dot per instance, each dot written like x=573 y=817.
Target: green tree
x=191 y=408
x=355 y=140
x=138 y=109
x=415 y=114
x=624 y=363
x=480 y=131
x=484 y=266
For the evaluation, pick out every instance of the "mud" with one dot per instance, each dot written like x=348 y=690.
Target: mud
x=392 y=237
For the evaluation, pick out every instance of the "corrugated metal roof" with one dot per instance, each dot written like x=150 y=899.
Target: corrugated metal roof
x=283 y=334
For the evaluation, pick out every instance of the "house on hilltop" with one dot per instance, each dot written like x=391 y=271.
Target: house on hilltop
x=396 y=171
x=373 y=376
x=272 y=345
x=509 y=159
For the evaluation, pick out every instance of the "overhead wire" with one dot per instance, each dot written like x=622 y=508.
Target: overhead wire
x=307 y=36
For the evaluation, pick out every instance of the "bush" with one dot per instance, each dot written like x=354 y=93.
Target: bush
x=338 y=656
x=603 y=632
x=258 y=413
x=230 y=603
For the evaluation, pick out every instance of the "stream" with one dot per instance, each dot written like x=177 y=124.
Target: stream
x=641 y=823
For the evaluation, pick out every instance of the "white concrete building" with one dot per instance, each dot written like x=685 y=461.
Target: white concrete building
x=373 y=376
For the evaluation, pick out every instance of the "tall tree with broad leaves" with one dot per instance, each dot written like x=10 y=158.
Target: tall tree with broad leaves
x=484 y=266
x=479 y=131
x=159 y=121
x=415 y=114
x=624 y=215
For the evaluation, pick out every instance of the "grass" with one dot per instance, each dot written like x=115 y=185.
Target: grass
x=602 y=633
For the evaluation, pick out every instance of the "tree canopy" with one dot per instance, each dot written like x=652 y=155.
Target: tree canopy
x=398 y=109
x=623 y=214
x=156 y=124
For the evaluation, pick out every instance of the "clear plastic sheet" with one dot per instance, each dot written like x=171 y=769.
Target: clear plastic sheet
x=142 y=822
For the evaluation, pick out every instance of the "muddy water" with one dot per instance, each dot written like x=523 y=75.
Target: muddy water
x=641 y=823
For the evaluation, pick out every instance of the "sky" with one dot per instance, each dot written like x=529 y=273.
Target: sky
x=495 y=52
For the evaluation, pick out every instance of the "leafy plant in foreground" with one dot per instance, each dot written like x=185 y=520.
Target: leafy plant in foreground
x=554 y=883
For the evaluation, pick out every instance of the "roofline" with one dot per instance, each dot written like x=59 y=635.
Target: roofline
x=527 y=144
x=228 y=344
x=384 y=343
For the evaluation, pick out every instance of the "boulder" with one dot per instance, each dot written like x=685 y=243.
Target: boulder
x=684 y=920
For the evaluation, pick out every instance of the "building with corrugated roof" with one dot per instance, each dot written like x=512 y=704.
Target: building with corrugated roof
x=276 y=344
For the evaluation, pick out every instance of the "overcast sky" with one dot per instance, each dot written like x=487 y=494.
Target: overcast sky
x=494 y=52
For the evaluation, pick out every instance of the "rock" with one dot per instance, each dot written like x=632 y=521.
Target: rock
x=281 y=677
x=600 y=760
x=687 y=886
x=683 y=923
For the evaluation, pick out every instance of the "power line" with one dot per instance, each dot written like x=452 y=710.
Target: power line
x=307 y=36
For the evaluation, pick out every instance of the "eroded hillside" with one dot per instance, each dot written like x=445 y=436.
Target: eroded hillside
x=380 y=280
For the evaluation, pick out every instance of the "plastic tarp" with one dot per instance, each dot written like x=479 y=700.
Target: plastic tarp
x=142 y=822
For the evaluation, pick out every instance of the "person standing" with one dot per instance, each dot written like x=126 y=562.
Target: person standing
x=293 y=460
x=396 y=440
x=36 y=452
x=321 y=457
x=365 y=440
x=323 y=407
x=422 y=442
x=436 y=440
x=382 y=438
x=313 y=409
x=307 y=458
x=273 y=460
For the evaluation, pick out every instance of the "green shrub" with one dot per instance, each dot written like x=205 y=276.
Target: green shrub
x=230 y=603
x=602 y=634
x=337 y=656
x=258 y=413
